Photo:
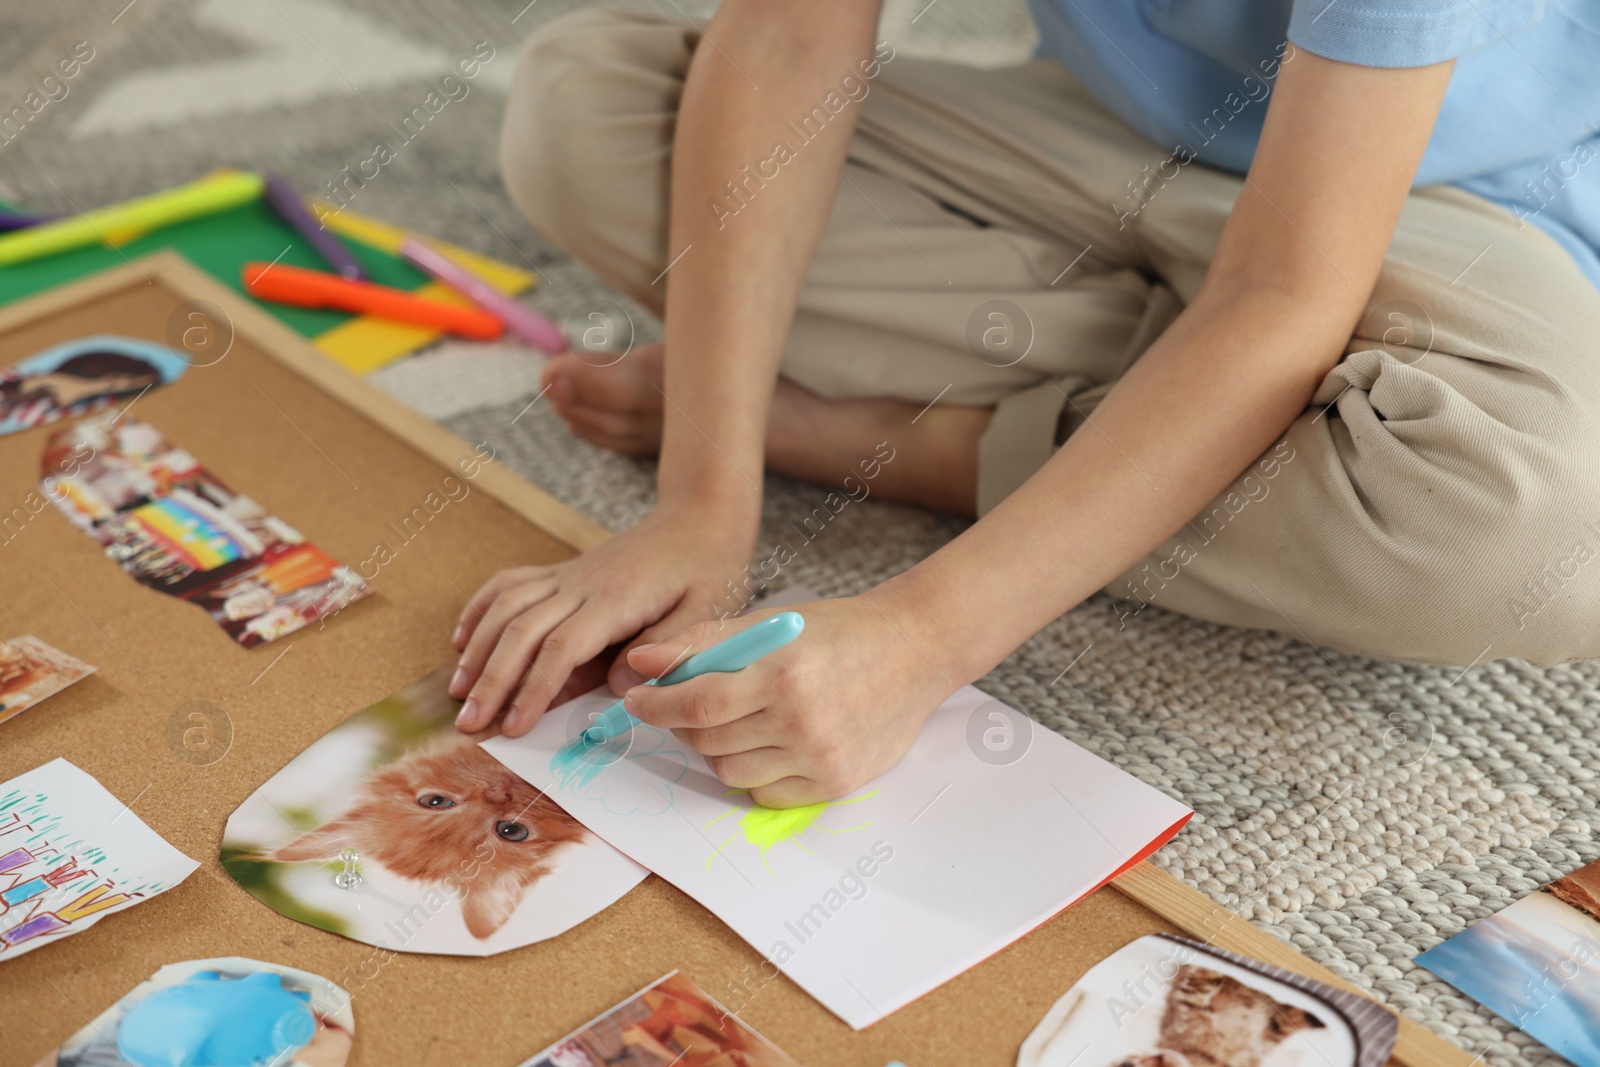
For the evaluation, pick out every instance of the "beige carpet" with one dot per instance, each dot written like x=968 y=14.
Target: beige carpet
x=1362 y=810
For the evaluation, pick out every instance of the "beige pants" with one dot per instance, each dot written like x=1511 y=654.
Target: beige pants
x=1000 y=238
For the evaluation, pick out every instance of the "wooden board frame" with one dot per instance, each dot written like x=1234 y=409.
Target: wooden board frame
x=1151 y=900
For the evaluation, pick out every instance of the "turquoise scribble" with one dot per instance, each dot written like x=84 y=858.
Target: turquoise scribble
x=577 y=768
x=580 y=761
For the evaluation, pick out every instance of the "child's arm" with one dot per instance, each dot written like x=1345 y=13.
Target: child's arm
x=732 y=287
x=1295 y=265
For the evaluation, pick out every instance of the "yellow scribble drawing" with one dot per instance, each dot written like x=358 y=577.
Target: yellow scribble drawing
x=765 y=828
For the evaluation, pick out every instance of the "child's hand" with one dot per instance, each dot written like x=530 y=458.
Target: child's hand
x=811 y=721
x=523 y=634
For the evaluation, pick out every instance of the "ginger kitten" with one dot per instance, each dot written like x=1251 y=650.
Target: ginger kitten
x=451 y=815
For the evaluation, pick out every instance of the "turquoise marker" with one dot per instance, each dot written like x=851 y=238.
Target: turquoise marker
x=736 y=653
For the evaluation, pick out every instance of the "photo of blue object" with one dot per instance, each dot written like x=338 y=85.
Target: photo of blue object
x=226 y=1012
x=82 y=376
x=1536 y=964
x=209 y=1021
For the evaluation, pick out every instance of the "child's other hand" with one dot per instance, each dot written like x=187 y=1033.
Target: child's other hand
x=812 y=721
x=528 y=628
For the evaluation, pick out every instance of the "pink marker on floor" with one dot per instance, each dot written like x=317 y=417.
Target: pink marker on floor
x=526 y=323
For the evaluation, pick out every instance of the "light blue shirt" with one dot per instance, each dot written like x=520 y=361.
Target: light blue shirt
x=1520 y=123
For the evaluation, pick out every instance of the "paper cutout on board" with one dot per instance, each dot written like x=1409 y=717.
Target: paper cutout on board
x=673 y=1023
x=179 y=529
x=1536 y=964
x=219 y=1011
x=397 y=830
x=71 y=854
x=31 y=671
x=846 y=897
x=81 y=377
x=1163 y=1001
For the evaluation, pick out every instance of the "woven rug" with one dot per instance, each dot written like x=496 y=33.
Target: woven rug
x=1359 y=809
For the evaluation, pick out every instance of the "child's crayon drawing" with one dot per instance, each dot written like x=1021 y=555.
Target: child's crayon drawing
x=71 y=854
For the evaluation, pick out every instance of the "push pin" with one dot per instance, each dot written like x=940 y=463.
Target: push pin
x=349 y=878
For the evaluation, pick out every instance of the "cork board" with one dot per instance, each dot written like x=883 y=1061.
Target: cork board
x=341 y=461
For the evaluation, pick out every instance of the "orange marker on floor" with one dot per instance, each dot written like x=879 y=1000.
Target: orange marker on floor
x=316 y=289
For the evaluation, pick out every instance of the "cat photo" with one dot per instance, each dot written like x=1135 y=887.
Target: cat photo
x=397 y=830
x=450 y=816
x=1165 y=1001
x=1212 y=1020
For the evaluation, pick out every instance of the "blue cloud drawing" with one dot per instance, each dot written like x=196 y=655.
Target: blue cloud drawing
x=581 y=767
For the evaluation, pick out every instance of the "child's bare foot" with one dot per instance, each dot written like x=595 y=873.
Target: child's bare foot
x=935 y=463
x=615 y=405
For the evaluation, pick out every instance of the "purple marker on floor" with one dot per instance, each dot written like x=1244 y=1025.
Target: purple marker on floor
x=281 y=198
x=526 y=323
x=9 y=221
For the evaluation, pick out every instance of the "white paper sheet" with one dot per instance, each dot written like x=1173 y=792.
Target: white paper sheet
x=71 y=854
x=989 y=827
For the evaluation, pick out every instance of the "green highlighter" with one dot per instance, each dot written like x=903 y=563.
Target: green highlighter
x=736 y=653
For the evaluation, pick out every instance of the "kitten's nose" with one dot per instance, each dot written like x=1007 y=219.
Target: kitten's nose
x=499 y=793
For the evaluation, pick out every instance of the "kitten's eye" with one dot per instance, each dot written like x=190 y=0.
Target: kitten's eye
x=436 y=801
x=510 y=831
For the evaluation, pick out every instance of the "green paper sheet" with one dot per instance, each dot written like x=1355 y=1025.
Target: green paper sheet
x=219 y=245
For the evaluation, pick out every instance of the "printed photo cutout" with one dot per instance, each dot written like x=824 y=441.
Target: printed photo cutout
x=673 y=1023
x=222 y=1011
x=1165 y=1001
x=177 y=528
x=81 y=377
x=1536 y=964
x=397 y=830
x=71 y=854
x=31 y=670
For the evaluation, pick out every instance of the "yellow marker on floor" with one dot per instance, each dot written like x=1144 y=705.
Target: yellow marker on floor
x=388 y=238
x=117 y=223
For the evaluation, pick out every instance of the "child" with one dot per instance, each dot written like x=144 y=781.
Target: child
x=1176 y=325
